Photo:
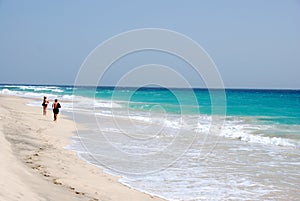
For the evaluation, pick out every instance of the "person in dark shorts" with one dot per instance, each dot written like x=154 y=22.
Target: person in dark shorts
x=55 y=108
x=45 y=105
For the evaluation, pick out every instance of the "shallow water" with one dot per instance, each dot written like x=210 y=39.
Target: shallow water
x=204 y=167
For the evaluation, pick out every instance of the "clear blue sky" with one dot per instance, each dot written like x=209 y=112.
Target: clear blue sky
x=254 y=43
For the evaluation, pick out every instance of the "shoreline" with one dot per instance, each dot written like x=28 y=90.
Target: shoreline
x=37 y=166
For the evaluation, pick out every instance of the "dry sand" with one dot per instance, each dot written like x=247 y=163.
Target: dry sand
x=35 y=166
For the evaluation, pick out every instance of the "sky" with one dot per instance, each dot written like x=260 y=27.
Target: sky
x=253 y=43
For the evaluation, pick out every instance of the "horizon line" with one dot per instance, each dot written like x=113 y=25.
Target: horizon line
x=151 y=87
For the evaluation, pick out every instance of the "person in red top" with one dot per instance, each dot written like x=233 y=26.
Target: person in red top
x=55 y=108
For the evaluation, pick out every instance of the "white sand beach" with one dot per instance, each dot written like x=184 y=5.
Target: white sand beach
x=36 y=166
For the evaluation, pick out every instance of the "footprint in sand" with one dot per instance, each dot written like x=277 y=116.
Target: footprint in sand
x=55 y=181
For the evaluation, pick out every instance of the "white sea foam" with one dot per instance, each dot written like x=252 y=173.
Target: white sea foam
x=234 y=128
x=253 y=134
x=142 y=119
x=6 y=91
x=173 y=123
x=25 y=93
x=106 y=104
x=67 y=97
x=202 y=128
x=39 y=88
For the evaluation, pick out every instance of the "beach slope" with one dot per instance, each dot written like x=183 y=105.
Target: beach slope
x=35 y=166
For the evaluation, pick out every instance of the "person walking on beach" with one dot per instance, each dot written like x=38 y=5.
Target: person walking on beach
x=55 y=108
x=45 y=105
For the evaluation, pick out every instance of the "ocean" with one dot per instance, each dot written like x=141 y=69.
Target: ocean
x=180 y=144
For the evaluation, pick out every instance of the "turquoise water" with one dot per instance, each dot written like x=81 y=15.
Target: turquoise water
x=266 y=106
x=284 y=104
x=270 y=106
x=243 y=102
x=186 y=144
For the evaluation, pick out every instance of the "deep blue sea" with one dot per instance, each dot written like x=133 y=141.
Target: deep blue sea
x=186 y=144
